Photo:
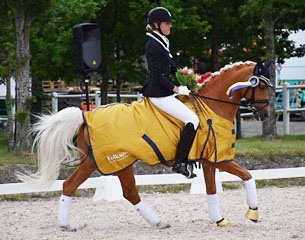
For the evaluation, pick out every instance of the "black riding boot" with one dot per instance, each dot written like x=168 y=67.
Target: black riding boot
x=184 y=146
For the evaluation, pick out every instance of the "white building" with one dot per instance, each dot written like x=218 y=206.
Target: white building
x=3 y=89
x=293 y=68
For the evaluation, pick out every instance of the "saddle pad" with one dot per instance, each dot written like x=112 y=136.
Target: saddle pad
x=120 y=134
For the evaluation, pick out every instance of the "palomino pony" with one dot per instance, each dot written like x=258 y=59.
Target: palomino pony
x=113 y=140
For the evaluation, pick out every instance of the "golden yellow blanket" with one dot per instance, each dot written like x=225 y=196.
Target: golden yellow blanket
x=120 y=134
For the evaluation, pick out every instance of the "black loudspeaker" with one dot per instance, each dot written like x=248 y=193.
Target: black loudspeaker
x=87 y=47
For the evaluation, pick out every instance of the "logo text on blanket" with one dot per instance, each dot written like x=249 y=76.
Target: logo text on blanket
x=117 y=156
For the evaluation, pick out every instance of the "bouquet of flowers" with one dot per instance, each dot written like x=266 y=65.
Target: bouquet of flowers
x=187 y=77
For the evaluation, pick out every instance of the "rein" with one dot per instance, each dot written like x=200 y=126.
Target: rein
x=218 y=100
x=247 y=104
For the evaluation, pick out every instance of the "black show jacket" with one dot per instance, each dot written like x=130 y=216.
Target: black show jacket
x=160 y=68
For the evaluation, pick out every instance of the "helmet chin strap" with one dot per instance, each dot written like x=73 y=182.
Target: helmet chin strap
x=159 y=28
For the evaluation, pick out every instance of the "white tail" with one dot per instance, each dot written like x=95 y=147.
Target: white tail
x=54 y=144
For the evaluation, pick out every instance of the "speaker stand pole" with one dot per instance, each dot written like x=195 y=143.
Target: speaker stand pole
x=86 y=81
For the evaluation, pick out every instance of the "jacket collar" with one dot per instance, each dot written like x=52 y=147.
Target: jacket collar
x=161 y=39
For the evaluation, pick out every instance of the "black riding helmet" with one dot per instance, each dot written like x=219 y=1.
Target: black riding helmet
x=158 y=15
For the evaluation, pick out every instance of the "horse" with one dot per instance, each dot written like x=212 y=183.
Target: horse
x=221 y=94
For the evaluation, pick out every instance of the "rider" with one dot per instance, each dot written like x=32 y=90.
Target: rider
x=160 y=88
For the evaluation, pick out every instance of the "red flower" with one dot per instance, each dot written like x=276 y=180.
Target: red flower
x=204 y=77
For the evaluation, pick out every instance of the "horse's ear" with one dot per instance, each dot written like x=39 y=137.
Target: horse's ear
x=259 y=61
x=268 y=64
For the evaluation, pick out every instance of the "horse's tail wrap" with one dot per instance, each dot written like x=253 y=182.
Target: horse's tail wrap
x=54 y=144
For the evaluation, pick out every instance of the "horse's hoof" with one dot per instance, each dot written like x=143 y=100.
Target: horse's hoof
x=162 y=224
x=67 y=228
x=252 y=214
x=223 y=223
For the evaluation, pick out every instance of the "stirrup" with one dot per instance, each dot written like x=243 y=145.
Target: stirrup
x=252 y=214
x=185 y=169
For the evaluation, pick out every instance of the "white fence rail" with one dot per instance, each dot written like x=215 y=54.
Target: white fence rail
x=108 y=187
x=96 y=95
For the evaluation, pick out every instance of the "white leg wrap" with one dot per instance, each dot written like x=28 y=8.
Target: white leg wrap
x=147 y=213
x=213 y=206
x=63 y=217
x=251 y=194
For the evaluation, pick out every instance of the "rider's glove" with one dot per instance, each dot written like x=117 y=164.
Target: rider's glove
x=183 y=90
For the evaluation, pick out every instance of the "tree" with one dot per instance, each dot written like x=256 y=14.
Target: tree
x=274 y=15
x=226 y=37
x=123 y=37
x=24 y=13
x=52 y=47
x=122 y=29
x=188 y=38
x=52 y=39
x=7 y=66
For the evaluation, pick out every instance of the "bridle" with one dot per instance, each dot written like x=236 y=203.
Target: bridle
x=252 y=101
x=255 y=81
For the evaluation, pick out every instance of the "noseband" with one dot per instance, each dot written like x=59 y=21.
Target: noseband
x=252 y=101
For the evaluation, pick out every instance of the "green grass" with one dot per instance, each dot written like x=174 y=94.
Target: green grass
x=168 y=188
x=280 y=183
x=45 y=195
x=292 y=145
x=12 y=158
x=257 y=147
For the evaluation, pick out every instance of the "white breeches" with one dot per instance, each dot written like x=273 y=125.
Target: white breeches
x=177 y=109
